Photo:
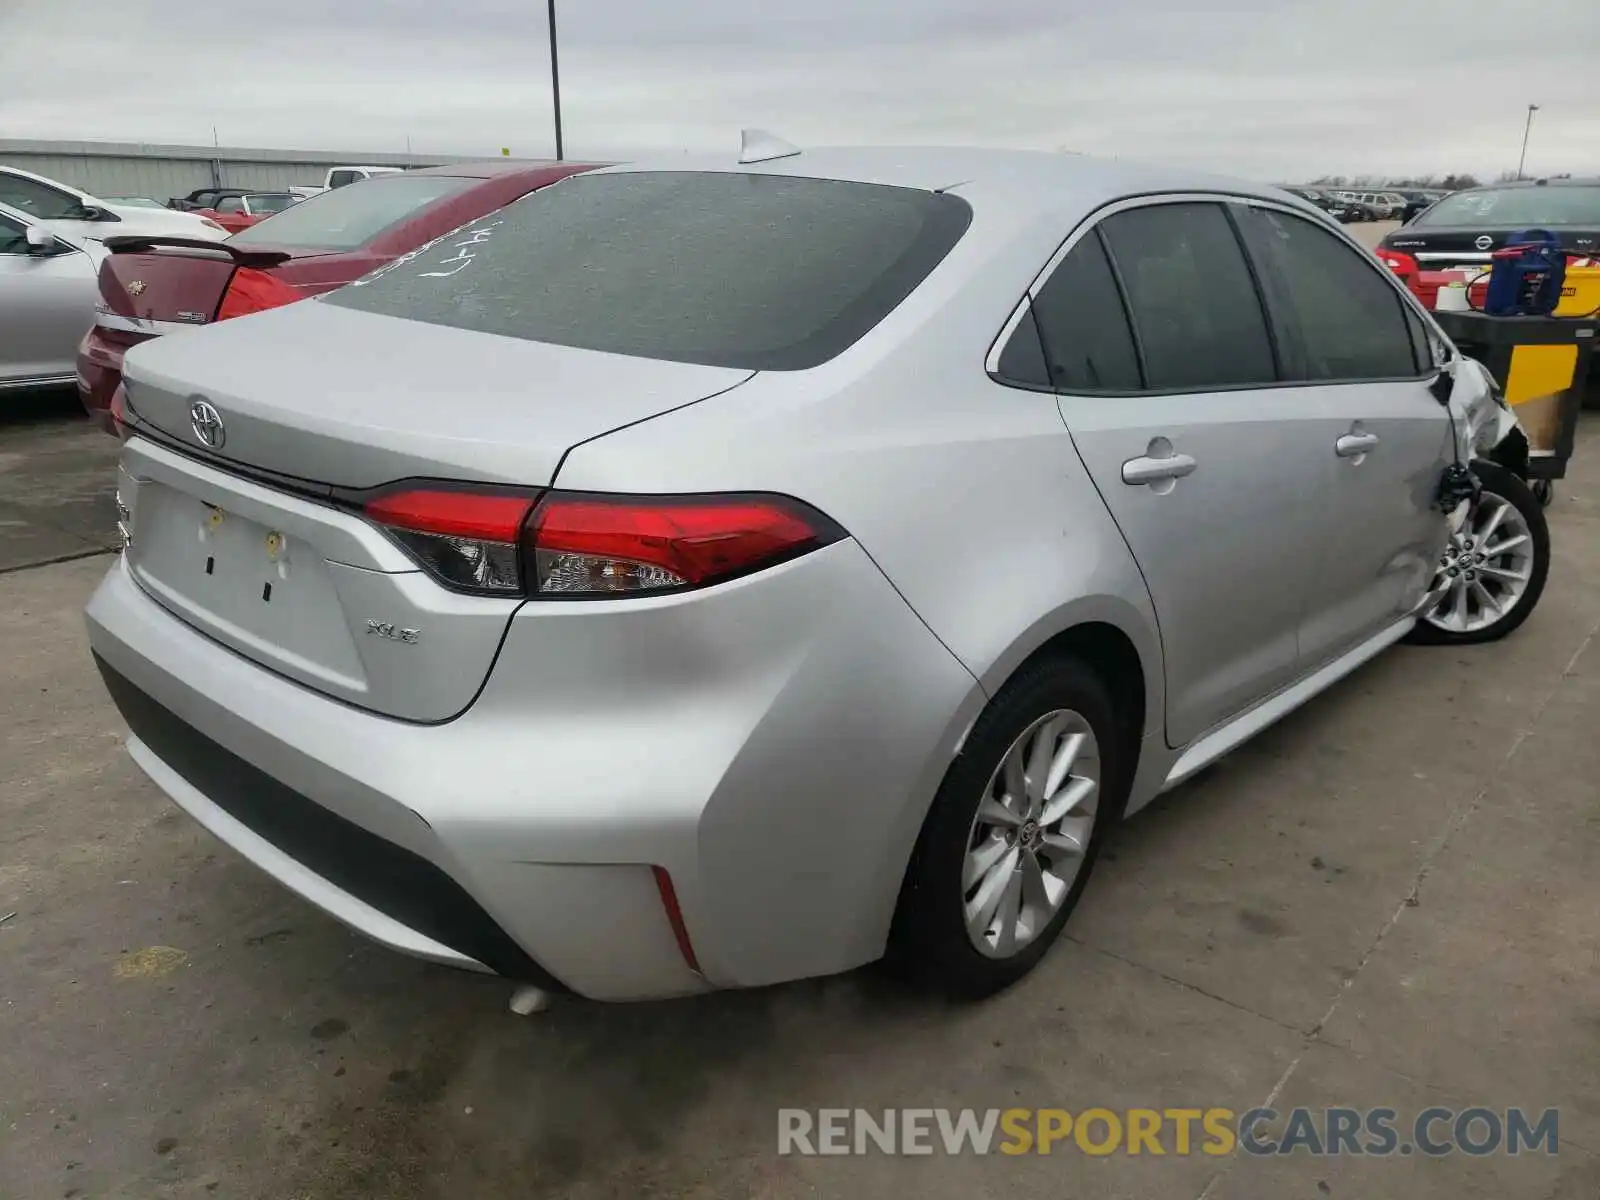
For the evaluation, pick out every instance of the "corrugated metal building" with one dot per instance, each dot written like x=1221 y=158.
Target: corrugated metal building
x=163 y=171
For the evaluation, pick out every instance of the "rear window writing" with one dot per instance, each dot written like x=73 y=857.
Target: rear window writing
x=1522 y=207
x=760 y=272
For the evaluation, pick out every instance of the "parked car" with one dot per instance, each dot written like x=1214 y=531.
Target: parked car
x=1361 y=209
x=202 y=198
x=154 y=286
x=235 y=213
x=1418 y=200
x=47 y=295
x=64 y=209
x=728 y=572
x=1326 y=201
x=339 y=177
x=1465 y=228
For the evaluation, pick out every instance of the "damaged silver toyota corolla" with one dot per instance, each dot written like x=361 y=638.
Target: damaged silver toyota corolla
x=734 y=570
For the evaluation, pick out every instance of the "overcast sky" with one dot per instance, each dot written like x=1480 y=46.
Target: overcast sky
x=1274 y=89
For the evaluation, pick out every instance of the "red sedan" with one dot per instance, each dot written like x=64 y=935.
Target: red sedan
x=236 y=213
x=150 y=286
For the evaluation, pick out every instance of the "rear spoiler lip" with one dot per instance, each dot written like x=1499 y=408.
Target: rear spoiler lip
x=132 y=243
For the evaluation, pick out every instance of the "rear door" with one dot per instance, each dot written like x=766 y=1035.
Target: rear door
x=1169 y=377
x=1351 y=334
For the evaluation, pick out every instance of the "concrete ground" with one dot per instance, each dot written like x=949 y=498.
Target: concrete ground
x=1389 y=899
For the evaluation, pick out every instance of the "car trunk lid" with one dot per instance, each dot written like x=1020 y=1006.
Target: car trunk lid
x=155 y=285
x=355 y=400
x=1444 y=247
x=259 y=543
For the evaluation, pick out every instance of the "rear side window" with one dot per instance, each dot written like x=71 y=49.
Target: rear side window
x=1351 y=321
x=338 y=179
x=1084 y=326
x=760 y=272
x=352 y=216
x=1193 y=301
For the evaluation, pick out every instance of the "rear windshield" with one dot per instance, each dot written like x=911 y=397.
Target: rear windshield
x=1523 y=207
x=351 y=216
x=272 y=202
x=760 y=272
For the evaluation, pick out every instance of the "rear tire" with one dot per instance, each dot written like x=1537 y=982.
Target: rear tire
x=1495 y=569
x=999 y=836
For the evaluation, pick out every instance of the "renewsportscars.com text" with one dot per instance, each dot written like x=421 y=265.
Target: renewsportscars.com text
x=1372 y=1132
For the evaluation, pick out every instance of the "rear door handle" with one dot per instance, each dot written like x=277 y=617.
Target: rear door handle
x=1354 y=445
x=1139 y=471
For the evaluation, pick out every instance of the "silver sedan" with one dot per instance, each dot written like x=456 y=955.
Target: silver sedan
x=48 y=291
x=739 y=569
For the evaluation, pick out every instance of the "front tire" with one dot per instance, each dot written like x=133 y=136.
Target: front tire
x=1011 y=838
x=1493 y=572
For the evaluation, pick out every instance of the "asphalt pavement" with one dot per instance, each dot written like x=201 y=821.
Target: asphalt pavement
x=1387 y=900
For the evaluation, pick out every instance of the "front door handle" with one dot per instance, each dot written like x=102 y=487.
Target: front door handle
x=1139 y=471
x=1354 y=445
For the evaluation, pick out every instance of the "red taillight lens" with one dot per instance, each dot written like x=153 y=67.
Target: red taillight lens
x=572 y=544
x=1402 y=265
x=119 y=413
x=252 y=291
x=465 y=539
x=615 y=545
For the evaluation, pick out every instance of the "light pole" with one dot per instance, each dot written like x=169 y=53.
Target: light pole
x=555 y=79
x=1526 y=129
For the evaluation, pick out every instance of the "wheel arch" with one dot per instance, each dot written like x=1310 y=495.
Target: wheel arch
x=1110 y=635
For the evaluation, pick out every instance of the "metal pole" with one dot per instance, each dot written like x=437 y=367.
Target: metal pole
x=1526 y=129
x=555 y=79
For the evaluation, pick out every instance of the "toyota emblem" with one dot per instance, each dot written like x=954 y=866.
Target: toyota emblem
x=1484 y=242
x=206 y=422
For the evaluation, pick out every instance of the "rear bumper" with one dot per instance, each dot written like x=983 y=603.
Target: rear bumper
x=99 y=372
x=772 y=746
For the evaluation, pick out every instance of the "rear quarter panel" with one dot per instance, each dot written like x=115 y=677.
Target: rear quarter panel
x=968 y=495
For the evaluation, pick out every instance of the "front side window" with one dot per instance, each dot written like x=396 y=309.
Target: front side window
x=1351 y=320
x=13 y=236
x=230 y=204
x=1194 y=304
x=759 y=272
x=38 y=199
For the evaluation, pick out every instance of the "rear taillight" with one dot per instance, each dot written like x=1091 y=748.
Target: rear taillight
x=1402 y=265
x=251 y=291
x=572 y=544
x=607 y=545
x=118 y=411
x=465 y=539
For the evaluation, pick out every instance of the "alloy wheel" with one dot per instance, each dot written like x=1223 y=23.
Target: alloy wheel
x=1485 y=569
x=1031 y=833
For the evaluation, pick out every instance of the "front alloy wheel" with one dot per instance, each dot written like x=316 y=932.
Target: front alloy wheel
x=1493 y=571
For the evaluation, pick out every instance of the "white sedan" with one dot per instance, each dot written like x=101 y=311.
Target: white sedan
x=48 y=291
x=65 y=209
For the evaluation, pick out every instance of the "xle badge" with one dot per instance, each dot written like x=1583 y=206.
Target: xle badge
x=386 y=629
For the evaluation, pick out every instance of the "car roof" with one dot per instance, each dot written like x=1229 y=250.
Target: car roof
x=1529 y=183
x=495 y=168
x=1019 y=179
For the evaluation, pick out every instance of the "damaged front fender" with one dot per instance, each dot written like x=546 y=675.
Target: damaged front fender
x=1486 y=426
